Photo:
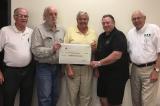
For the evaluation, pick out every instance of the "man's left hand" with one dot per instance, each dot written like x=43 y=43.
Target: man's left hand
x=154 y=76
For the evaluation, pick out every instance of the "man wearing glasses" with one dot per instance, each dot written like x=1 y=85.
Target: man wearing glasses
x=144 y=50
x=18 y=70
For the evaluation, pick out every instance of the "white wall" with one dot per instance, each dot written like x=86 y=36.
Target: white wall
x=67 y=10
x=120 y=9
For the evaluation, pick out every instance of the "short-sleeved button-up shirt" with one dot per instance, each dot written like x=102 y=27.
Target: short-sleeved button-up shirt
x=144 y=44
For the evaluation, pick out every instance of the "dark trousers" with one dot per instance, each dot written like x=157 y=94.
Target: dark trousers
x=1 y=96
x=18 y=79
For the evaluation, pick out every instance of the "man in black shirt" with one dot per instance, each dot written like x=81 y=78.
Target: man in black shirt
x=112 y=63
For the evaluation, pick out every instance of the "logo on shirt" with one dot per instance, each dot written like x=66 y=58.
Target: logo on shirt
x=107 y=42
x=147 y=35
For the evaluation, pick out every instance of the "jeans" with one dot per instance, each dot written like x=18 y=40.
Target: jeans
x=47 y=77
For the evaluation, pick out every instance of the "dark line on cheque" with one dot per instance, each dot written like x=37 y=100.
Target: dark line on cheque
x=76 y=55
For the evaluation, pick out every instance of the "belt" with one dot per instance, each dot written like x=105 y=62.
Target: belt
x=17 y=67
x=146 y=64
x=79 y=64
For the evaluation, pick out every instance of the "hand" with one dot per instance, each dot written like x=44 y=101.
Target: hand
x=95 y=64
x=70 y=73
x=93 y=45
x=1 y=78
x=56 y=46
x=154 y=76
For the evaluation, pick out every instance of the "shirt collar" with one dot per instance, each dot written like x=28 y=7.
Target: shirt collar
x=50 y=28
x=18 y=31
x=78 y=31
x=142 y=29
x=112 y=32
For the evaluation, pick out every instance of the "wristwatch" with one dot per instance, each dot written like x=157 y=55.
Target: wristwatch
x=156 y=69
x=98 y=64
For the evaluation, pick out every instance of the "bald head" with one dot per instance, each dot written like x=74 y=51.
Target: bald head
x=138 y=12
x=47 y=10
x=138 y=19
x=50 y=15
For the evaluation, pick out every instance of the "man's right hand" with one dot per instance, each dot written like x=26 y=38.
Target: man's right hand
x=1 y=78
x=56 y=46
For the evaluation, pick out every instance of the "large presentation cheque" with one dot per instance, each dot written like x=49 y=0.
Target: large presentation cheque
x=75 y=54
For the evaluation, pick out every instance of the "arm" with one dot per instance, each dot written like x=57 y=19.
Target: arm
x=2 y=40
x=2 y=43
x=93 y=46
x=113 y=57
x=38 y=48
x=70 y=71
x=94 y=42
x=154 y=74
x=119 y=46
x=1 y=67
x=1 y=77
x=157 y=65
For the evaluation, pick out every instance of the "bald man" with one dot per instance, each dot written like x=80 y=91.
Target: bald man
x=46 y=39
x=18 y=71
x=144 y=50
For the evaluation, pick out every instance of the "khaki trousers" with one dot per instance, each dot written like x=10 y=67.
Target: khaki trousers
x=142 y=89
x=80 y=86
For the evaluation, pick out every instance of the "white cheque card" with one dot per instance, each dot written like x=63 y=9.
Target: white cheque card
x=75 y=54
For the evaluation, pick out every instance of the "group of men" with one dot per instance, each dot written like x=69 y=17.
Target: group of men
x=110 y=60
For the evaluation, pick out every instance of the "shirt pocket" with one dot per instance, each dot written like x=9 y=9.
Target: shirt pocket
x=148 y=40
x=48 y=42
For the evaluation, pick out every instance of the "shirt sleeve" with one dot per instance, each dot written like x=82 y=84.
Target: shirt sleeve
x=120 y=43
x=66 y=37
x=2 y=42
x=157 y=34
x=2 y=39
x=37 y=47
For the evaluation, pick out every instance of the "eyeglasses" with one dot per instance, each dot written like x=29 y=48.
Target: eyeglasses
x=137 y=18
x=22 y=16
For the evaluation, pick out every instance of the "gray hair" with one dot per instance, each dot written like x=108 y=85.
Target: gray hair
x=16 y=11
x=139 y=12
x=45 y=12
x=82 y=13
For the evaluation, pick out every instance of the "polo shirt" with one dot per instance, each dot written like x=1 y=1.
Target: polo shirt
x=115 y=41
x=74 y=36
x=16 y=45
x=144 y=44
